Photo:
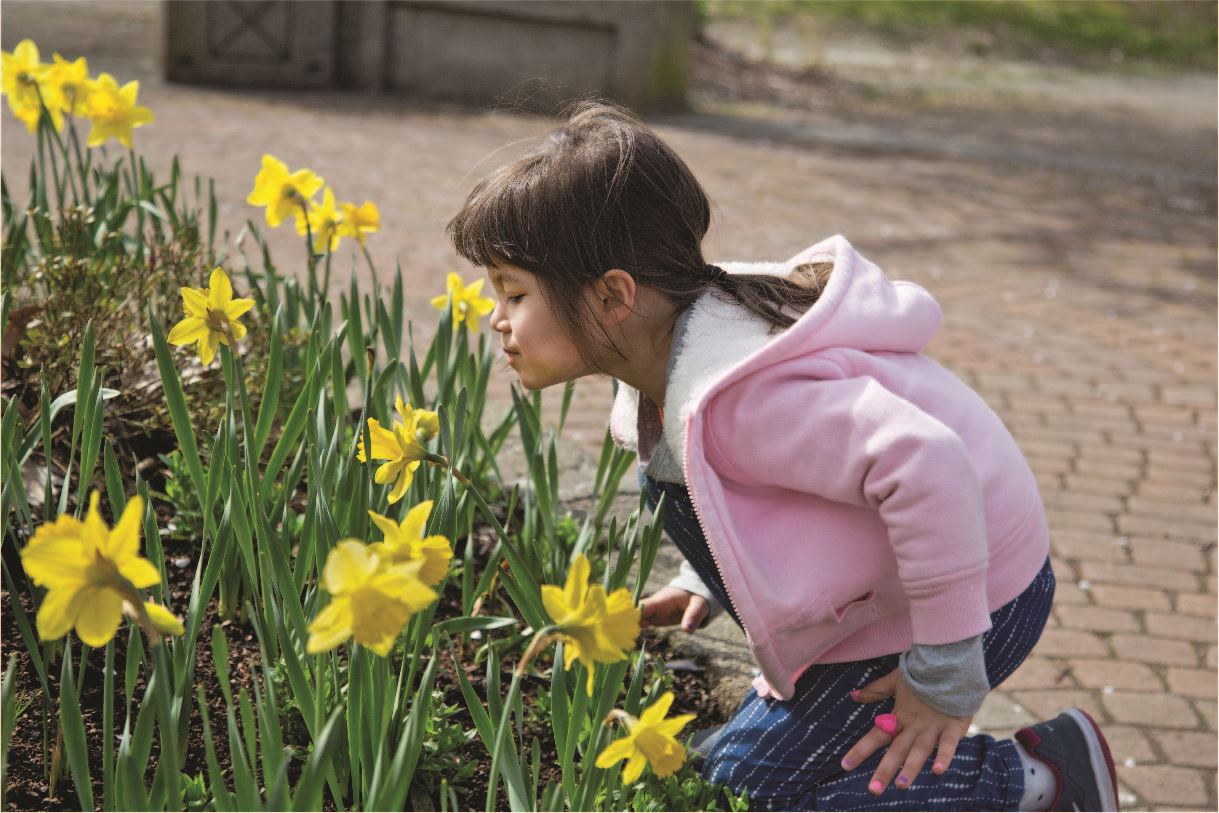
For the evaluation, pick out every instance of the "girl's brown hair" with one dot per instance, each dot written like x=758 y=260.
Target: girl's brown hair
x=601 y=192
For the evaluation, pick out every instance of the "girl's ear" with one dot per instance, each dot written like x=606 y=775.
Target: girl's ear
x=614 y=296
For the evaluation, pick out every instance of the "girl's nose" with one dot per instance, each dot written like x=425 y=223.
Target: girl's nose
x=499 y=321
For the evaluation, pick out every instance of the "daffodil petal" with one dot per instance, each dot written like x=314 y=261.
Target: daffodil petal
x=656 y=712
x=404 y=482
x=54 y=616
x=237 y=308
x=165 y=621
x=577 y=581
x=673 y=725
x=331 y=627
x=140 y=572
x=189 y=330
x=387 y=525
x=220 y=290
x=634 y=767
x=553 y=599
x=416 y=518
x=194 y=302
x=123 y=541
x=98 y=612
x=616 y=751
x=348 y=567
x=207 y=348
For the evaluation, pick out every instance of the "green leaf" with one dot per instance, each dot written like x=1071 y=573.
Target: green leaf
x=74 y=735
x=175 y=399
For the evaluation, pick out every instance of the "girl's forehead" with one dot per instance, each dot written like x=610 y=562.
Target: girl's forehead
x=504 y=273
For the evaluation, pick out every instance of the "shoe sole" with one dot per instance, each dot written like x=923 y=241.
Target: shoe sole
x=1099 y=757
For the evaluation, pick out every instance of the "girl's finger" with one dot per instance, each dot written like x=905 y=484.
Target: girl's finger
x=915 y=760
x=878 y=689
x=867 y=745
x=696 y=611
x=890 y=762
x=944 y=751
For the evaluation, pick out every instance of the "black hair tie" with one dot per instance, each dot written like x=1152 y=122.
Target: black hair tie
x=714 y=274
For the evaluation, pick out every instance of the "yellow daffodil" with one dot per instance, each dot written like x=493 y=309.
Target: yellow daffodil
x=650 y=739
x=359 y=221
x=427 y=423
x=324 y=221
x=68 y=82
x=405 y=543
x=212 y=316
x=371 y=600
x=89 y=570
x=595 y=628
x=113 y=110
x=166 y=622
x=22 y=74
x=400 y=446
x=284 y=193
x=467 y=304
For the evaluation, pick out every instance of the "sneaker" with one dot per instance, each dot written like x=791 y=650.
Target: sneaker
x=1072 y=745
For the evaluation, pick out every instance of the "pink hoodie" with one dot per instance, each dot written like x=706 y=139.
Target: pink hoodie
x=857 y=497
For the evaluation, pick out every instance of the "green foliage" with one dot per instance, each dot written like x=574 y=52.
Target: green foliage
x=1171 y=33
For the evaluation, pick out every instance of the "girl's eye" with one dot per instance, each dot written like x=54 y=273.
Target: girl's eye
x=515 y=299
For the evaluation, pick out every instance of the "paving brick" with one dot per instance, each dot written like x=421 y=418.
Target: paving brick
x=1097 y=673
x=1113 y=454
x=1046 y=704
x=1207 y=709
x=1090 y=484
x=1149 y=507
x=1145 y=708
x=1099 y=547
x=1199 y=604
x=1194 y=748
x=1196 y=683
x=1147 y=649
x=1174 y=493
x=1177 y=529
x=1073 y=643
x=1097 y=619
x=1210 y=657
x=1180 y=479
x=1188 y=396
x=1108 y=469
x=1104 y=572
x=1165 y=553
x=1172 y=461
x=1128 y=742
x=1069 y=593
x=1181 y=627
x=1099 y=408
x=1108 y=504
x=1165 y=784
x=1037 y=673
x=1134 y=598
x=1165 y=414
x=1068 y=519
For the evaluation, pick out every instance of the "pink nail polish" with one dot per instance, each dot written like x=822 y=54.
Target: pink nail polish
x=856 y=694
x=902 y=781
x=875 y=787
x=938 y=767
x=847 y=765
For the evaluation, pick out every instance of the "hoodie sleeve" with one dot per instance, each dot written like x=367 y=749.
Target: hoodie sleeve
x=853 y=441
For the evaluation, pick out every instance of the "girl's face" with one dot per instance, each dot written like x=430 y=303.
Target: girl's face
x=536 y=344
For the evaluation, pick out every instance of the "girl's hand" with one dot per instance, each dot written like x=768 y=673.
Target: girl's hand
x=920 y=730
x=670 y=605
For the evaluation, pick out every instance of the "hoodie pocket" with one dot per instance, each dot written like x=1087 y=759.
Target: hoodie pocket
x=832 y=615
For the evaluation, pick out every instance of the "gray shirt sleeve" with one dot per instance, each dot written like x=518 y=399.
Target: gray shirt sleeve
x=951 y=678
x=687 y=579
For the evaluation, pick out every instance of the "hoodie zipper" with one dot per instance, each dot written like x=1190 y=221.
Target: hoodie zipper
x=707 y=538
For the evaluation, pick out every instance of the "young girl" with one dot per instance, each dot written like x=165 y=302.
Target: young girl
x=863 y=515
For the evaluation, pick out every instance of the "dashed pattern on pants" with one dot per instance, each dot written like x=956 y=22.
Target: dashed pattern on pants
x=786 y=754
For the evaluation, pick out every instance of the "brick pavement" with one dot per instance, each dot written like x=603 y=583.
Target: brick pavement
x=1081 y=306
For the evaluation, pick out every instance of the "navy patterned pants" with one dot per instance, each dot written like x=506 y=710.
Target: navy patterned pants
x=786 y=753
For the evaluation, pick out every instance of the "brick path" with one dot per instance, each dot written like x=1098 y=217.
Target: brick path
x=1081 y=306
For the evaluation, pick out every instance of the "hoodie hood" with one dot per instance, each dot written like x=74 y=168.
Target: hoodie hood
x=860 y=308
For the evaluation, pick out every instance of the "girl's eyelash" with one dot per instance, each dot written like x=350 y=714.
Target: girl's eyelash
x=514 y=299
